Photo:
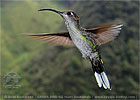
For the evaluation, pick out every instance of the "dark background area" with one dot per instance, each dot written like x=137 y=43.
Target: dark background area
x=45 y=69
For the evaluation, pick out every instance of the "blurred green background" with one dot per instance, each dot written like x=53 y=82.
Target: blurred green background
x=45 y=69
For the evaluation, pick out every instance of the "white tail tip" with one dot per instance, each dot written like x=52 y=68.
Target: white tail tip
x=102 y=80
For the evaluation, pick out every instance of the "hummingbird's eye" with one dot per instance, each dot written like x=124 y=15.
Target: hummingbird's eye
x=68 y=13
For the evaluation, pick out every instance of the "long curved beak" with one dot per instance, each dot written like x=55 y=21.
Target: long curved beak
x=53 y=10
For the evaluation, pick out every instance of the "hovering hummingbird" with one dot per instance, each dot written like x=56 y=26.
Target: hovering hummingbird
x=86 y=40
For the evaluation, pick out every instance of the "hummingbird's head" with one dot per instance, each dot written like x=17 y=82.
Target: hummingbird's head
x=68 y=16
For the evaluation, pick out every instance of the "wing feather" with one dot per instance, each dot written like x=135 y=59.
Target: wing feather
x=106 y=33
x=62 y=38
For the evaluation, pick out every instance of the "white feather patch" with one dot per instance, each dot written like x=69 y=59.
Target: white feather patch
x=106 y=81
x=98 y=79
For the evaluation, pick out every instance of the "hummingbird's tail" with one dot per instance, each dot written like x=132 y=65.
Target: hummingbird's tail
x=100 y=75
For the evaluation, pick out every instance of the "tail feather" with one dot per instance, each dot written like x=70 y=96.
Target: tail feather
x=102 y=80
x=105 y=79
x=99 y=73
x=98 y=79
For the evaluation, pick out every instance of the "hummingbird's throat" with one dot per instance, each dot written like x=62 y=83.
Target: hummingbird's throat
x=76 y=18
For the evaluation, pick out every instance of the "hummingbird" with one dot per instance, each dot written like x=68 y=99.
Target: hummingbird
x=86 y=40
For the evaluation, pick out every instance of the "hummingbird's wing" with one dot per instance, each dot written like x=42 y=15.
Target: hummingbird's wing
x=104 y=33
x=62 y=38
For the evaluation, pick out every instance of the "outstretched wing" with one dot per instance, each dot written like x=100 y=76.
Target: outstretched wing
x=62 y=38
x=105 y=33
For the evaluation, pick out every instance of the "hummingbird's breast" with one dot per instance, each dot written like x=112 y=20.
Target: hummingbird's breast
x=84 y=47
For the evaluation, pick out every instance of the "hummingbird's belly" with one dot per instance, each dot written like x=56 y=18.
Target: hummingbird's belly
x=84 y=47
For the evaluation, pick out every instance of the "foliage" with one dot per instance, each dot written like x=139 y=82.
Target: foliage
x=48 y=70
